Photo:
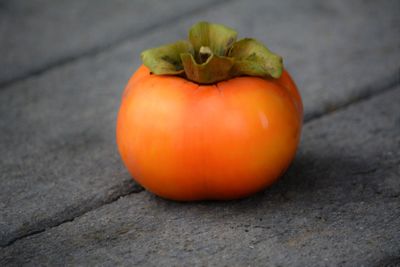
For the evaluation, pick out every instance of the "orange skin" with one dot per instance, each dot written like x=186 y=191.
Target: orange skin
x=185 y=141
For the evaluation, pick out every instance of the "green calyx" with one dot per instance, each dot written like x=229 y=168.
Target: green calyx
x=212 y=54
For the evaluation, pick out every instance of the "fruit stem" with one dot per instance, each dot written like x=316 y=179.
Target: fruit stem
x=204 y=53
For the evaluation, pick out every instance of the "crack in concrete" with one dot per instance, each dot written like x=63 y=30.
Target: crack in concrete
x=378 y=87
x=136 y=189
x=96 y=50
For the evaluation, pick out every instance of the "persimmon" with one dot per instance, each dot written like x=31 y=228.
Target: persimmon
x=209 y=118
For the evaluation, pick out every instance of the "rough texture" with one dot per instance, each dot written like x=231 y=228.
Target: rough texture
x=37 y=34
x=337 y=206
x=59 y=158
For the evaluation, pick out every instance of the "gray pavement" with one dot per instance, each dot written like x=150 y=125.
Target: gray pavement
x=36 y=35
x=338 y=204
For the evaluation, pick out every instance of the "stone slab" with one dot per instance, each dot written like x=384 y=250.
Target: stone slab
x=338 y=205
x=37 y=34
x=59 y=158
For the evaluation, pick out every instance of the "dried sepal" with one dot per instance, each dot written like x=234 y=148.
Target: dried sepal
x=254 y=59
x=166 y=59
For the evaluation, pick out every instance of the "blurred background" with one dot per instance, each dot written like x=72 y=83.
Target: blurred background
x=64 y=65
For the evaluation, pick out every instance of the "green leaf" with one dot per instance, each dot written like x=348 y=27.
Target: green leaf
x=254 y=59
x=166 y=59
x=215 y=69
x=217 y=37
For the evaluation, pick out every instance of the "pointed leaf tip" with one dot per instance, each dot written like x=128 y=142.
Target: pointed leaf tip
x=254 y=59
x=166 y=59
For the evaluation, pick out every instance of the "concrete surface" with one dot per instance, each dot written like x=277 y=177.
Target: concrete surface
x=337 y=206
x=36 y=35
x=58 y=104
